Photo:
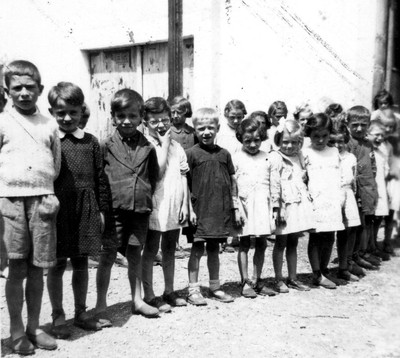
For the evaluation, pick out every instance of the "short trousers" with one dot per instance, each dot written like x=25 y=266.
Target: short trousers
x=28 y=228
x=123 y=228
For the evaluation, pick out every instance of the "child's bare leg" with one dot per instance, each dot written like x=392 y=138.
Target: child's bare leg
x=55 y=289
x=168 y=246
x=33 y=294
x=277 y=255
x=259 y=255
x=103 y=275
x=149 y=253
x=244 y=246
x=15 y=296
x=291 y=256
x=196 y=253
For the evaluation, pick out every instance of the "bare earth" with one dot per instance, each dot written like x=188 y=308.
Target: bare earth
x=356 y=320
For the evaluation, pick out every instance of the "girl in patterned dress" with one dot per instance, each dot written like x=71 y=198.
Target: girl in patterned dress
x=83 y=193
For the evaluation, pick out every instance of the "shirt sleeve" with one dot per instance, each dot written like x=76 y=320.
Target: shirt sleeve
x=56 y=150
x=231 y=168
x=275 y=167
x=183 y=163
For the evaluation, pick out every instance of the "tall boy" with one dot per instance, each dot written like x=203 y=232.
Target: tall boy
x=130 y=163
x=30 y=160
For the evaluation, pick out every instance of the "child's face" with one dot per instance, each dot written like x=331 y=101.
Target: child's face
x=24 y=93
x=275 y=118
x=303 y=116
x=67 y=115
x=178 y=116
x=337 y=140
x=319 y=138
x=376 y=136
x=389 y=125
x=158 y=123
x=358 y=128
x=383 y=105
x=251 y=142
x=234 y=117
x=127 y=120
x=206 y=131
x=290 y=144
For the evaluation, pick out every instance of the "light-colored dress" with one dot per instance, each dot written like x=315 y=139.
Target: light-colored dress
x=253 y=185
x=289 y=193
x=348 y=165
x=226 y=138
x=382 y=170
x=324 y=186
x=168 y=194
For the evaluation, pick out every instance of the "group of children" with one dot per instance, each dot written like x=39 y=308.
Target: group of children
x=65 y=195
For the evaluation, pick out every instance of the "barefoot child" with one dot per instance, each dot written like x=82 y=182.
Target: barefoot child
x=30 y=160
x=322 y=165
x=83 y=193
x=170 y=204
x=214 y=198
x=291 y=204
x=251 y=169
x=130 y=163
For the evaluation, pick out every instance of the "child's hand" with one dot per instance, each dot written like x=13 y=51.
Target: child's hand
x=276 y=215
x=193 y=218
x=102 y=222
x=238 y=220
x=183 y=214
x=165 y=140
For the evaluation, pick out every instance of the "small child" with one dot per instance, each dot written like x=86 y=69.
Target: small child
x=348 y=270
x=170 y=204
x=333 y=111
x=277 y=111
x=30 y=158
x=83 y=193
x=323 y=170
x=214 y=197
x=358 y=119
x=251 y=169
x=130 y=163
x=262 y=117
x=291 y=204
x=302 y=113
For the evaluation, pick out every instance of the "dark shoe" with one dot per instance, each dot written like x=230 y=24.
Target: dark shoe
x=160 y=304
x=347 y=276
x=388 y=248
x=382 y=255
x=87 y=323
x=174 y=300
x=365 y=264
x=146 y=311
x=22 y=346
x=372 y=259
x=197 y=299
x=221 y=296
x=248 y=290
x=43 y=341
x=281 y=287
x=265 y=291
x=325 y=283
x=104 y=319
x=60 y=332
x=158 y=260
x=297 y=285
x=356 y=270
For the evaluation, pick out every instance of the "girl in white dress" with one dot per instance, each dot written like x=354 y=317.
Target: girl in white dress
x=322 y=164
x=251 y=167
x=291 y=204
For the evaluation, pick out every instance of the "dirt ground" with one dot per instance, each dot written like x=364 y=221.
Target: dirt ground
x=356 y=320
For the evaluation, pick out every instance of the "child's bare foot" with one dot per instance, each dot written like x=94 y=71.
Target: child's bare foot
x=145 y=310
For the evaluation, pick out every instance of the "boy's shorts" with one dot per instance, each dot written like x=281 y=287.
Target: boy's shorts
x=28 y=228
x=123 y=228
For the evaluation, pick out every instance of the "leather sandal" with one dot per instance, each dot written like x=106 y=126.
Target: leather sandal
x=146 y=311
x=86 y=323
x=297 y=285
x=22 y=346
x=221 y=296
x=196 y=299
x=174 y=300
x=160 y=304
x=248 y=290
x=42 y=341
x=263 y=290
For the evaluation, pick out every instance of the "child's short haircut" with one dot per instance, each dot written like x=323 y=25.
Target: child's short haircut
x=256 y=114
x=124 y=98
x=156 y=105
x=340 y=127
x=183 y=104
x=317 y=121
x=302 y=107
x=205 y=113
x=277 y=106
x=376 y=123
x=291 y=126
x=68 y=92
x=382 y=96
x=250 y=125
x=235 y=104
x=358 y=113
x=333 y=110
x=21 y=68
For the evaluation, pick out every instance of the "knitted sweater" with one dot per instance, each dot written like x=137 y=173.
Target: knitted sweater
x=30 y=154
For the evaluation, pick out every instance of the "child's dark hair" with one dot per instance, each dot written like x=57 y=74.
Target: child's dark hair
x=382 y=96
x=156 y=105
x=358 y=113
x=124 y=98
x=183 y=104
x=235 y=104
x=250 y=125
x=21 y=68
x=68 y=92
x=256 y=114
x=340 y=127
x=333 y=110
x=3 y=98
x=291 y=126
x=317 y=121
x=277 y=106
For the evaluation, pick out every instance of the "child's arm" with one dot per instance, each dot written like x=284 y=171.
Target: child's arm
x=184 y=211
x=192 y=214
x=165 y=142
x=56 y=150
x=235 y=201
x=153 y=169
x=275 y=167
